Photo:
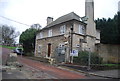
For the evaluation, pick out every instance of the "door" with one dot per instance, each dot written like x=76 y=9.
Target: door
x=49 y=49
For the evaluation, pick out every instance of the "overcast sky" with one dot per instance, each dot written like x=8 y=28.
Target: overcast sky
x=36 y=11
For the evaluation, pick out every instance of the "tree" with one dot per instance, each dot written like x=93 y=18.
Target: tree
x=118 y=24
x=8 y=34
x=27 y=39
x=110 y=31
x=36 y=26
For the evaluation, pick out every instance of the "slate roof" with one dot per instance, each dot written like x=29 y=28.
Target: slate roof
x=64 y=18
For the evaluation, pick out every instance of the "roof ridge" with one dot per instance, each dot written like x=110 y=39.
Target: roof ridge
x=64 y=18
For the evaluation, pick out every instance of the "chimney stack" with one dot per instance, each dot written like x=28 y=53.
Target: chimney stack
x=89 y=9
x=90 y=27
x=49 y=20
x=89 y=13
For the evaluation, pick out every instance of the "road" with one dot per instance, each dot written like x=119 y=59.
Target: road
x=51 y=70
x=38 y=70
x=33 y=69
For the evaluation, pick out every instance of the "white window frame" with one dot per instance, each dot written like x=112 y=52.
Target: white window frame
x=41 y=35
x=63 y=29
x=49 y=32
x=81 y=29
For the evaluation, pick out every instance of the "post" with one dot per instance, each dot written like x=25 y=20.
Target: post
x=71 y=42
x=89 y=60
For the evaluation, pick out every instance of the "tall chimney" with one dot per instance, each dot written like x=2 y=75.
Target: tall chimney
x=90 y=27
x=49 y=20
x=89 y=13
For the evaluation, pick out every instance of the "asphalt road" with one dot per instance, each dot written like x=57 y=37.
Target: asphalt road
x=37 y=70
x=51 y=70
x=54 y=72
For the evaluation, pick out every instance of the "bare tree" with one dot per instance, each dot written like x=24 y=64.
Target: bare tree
x=8 y=34
x=36 y=26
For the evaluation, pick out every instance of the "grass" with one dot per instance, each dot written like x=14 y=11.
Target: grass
x=111 y=64
x=9 y=47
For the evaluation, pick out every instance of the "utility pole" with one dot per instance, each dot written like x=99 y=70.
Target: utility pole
x=89 y=60
x=71 y=45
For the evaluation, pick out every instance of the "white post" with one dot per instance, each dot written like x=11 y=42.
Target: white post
x=72 y=60
x=89 y=60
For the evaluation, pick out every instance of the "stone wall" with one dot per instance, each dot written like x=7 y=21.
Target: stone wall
x=54 y=41
x=109 y=52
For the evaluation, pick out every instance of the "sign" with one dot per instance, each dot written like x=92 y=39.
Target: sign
x=66 y=34
x=74 y=53
x=63 y=52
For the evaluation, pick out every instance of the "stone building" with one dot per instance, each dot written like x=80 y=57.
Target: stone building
x=66 y=33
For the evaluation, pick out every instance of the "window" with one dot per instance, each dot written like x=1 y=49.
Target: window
x=61 y=45
x=41 y=35
x=39 y=48
x=50 y=33
x=81 y=29
x=62 y=29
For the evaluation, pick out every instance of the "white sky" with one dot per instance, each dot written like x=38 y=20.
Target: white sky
x=36 y=11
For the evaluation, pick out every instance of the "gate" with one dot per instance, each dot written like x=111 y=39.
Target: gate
x=60 y=54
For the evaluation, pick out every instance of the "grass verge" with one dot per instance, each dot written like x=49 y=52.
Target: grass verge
x=9 y=47
x=105 y=66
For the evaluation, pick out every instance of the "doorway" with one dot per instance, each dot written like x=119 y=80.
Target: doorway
x=49 y=49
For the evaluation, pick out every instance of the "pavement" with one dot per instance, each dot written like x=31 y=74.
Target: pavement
x=112 y=74
x=12 y=72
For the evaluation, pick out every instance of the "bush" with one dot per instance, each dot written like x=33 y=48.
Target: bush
x=29 y=54
x=83 y=56
x=105 y=66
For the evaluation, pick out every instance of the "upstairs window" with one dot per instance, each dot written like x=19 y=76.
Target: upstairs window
x=81 y=29
x=62 y=29
x=50 y=33
x=41 y=35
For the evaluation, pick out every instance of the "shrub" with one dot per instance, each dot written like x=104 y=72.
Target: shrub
x=83 y=56
x=29 y=54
